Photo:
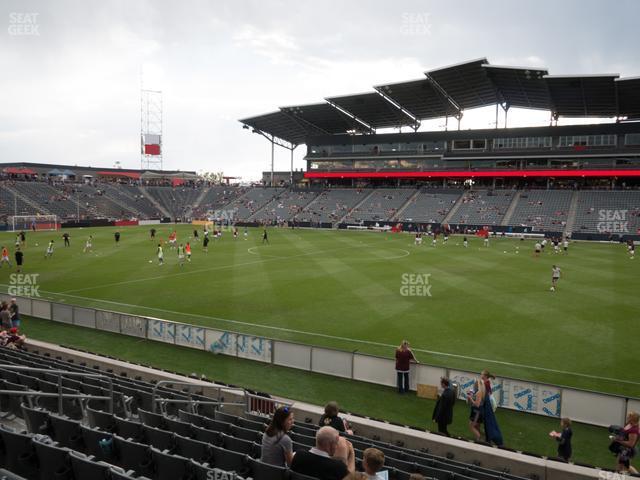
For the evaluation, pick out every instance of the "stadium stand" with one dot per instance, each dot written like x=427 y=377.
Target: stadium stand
x=215 y=198
x=284 y=207
x=483 y=207
x=332 y=205
x=596 y=210
x=11 y=204
x=542 y=210
x=176 y=443
x=252 y=201
x=177 y=201
x=57 y=201
x=430 y=206
x=383 y=204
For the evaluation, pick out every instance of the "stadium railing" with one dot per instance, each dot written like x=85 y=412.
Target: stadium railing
x=555 y=401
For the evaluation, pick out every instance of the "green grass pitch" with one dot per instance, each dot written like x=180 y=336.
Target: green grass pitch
x=489 y=307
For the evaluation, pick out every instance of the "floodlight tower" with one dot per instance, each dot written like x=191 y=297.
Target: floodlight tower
x=150 y=130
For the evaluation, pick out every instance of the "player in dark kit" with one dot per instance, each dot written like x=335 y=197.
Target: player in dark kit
x=117 y=237
x=265 y=238
x=152 y=232
x=65 y=237
x=195 y=236
x=19 y=257
x=205 y=244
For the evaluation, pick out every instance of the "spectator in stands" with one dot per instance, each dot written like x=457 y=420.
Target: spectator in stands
x=5 y=316
x=404 y=357
x=14 y=311
x=443 y=411
x=372 y=462
x=277 y=447
x=564 y=439
x=331 y=419
x=318 y=461
x=12 y=339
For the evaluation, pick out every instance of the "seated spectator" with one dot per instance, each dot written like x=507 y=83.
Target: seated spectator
x=277 y=448
x=331 y=419
x=15 y=313
x=318 y=461
x=12 y=339
x=372 y=462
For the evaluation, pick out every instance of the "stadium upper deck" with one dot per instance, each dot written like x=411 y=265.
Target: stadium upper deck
x=342 y=139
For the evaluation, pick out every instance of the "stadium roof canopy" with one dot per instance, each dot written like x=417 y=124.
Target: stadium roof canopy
x=420 y=98
x=628 y=90
x=323 y=116
x=467 y=84
x=448 y=91
x=520 y=87
x=583 y=96
x=281 y=125
x=374 y=110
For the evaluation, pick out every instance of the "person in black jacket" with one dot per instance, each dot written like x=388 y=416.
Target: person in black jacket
x=564 y=439
x=443 y=411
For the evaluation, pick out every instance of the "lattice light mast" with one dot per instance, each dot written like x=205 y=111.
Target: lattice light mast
x=150 y=130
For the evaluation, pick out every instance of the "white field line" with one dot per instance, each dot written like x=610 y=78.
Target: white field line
x=352 y=340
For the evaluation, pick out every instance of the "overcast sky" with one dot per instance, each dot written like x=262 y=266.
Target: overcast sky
x=71 y=74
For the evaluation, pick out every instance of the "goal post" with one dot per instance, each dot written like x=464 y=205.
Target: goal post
x=33 y=222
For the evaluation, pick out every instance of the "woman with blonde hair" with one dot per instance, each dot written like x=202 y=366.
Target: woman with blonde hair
x=404 y=357
x=627 y=441
x=475 y=398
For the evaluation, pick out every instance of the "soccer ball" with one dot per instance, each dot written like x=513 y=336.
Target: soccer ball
x=150 y=261
x=553 y=289
x=36 y=244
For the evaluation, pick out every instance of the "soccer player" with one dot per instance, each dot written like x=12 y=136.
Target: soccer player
x=543 y=244
x=556 y=245
x=486 y=239
x=23 y=238
x=65 y=237
x=265 y=238
x=235 y=233
x=565 y=245
x=49 y=252
x=160 y=255
x=196 y=238
x=631 y=247
x=205 y=244
x=5 y=257
x=538 y=248
x=152 y=233
x=246 y=233
x=172 y=239
x=181 y=255
x=446 y=237
x=187 y=250
x=88 y=246
x=555 y=276
x=116 y=236
x=19 y=257
x=17 y=240
x=418 y=240
x=465 y=243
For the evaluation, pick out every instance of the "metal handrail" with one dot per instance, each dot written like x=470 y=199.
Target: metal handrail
x=60 y=395
x=191 y=401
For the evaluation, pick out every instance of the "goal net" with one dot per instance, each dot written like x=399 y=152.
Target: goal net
x=33 y=222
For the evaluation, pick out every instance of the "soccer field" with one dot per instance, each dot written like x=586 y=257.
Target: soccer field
x=484 y=307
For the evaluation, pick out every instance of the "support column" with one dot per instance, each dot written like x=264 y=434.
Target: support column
x=272 y=158
x=291 y=175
